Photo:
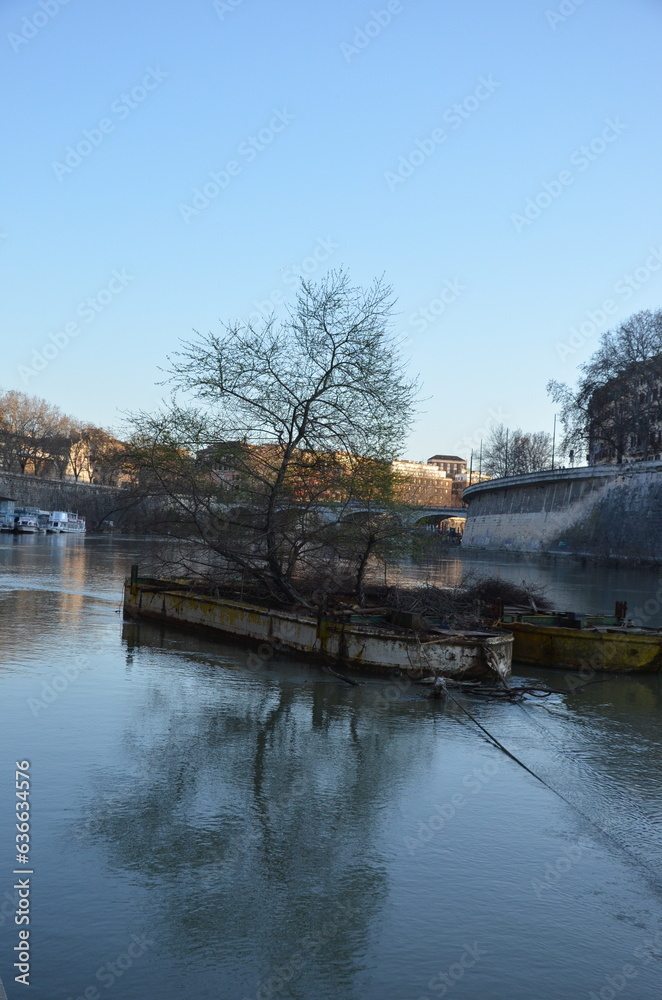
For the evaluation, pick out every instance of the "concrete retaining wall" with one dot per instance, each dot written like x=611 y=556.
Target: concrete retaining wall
x=95 y=503
x=602 y=511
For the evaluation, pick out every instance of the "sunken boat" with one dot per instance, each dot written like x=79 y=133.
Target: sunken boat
x=378 y=641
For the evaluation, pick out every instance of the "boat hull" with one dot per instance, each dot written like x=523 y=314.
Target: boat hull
x=581 y=649
x=353 y=646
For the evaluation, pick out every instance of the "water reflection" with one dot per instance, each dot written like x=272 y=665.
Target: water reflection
x=572 y=584
x=251 y=805
x=277 y=833
x=257 y=823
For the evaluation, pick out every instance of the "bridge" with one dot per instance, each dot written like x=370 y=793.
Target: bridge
x=413 y=514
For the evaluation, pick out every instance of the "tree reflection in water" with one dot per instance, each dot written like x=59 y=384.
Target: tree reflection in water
x=248 y=804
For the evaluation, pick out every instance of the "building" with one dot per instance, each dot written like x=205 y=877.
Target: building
x=92 y=456
x=461 y=477
x=315 y=477
x=452 y=465
x=465 y=479
x=223 y=460
x=625 y=417
x=423 y=484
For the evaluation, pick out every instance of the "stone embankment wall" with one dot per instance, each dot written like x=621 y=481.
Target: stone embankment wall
x=600 y=511
x=95 y=503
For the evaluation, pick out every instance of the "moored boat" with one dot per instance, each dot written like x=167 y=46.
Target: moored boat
x=570 y=641
x=57 y=522
x=7 y=513
x=75 y=524
x=26 y=524
x=364 y=642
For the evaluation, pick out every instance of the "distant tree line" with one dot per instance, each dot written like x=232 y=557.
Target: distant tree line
x=37 y=438
x=516 y=452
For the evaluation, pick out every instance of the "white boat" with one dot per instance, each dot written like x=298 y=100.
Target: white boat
x=75 y=524
x=58 y=522
x=360 y=642
x=26 y=524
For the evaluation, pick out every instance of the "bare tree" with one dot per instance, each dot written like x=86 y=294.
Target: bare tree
x=515 y=453
x=36 y=438
x=263 y=456
x=375 y=525
x=77 y=452
x=616 y=408
x=106 y=456
x=532 y=451
x=32 y=433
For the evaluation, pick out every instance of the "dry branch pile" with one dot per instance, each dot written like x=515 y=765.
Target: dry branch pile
x=463 y=607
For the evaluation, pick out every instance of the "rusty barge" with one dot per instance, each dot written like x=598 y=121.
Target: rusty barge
x=360 y=642
x=573 y=641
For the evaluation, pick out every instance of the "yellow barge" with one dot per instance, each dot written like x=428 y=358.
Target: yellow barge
x=579 y=642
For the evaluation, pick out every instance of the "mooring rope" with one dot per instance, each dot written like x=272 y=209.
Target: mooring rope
x=500 y=746
x=650 y=874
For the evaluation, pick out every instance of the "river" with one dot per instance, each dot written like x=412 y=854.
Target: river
x=209 y=825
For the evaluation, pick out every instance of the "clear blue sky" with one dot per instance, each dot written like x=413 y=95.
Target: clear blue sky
x=351 y=110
